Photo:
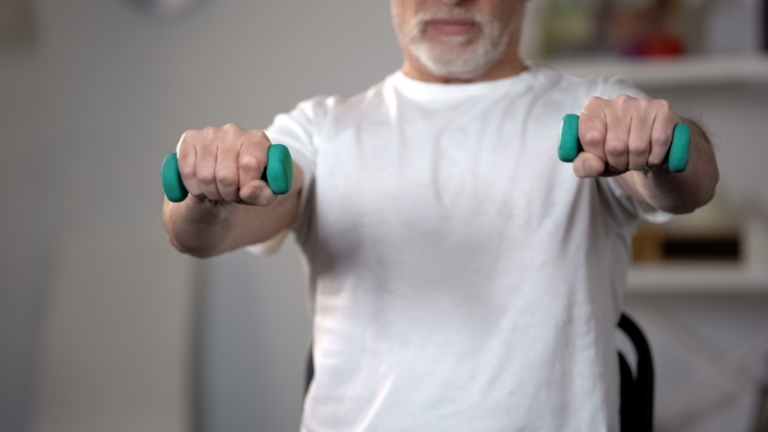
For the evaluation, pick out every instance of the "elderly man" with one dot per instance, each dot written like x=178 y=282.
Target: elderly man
x=462 y=278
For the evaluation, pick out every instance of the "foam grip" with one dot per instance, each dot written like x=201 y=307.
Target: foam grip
x=569 y=145
x=278 y=174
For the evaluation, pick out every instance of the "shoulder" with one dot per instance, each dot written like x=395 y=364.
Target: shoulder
x=559 y=91
x=324 y=108
x=603 y=86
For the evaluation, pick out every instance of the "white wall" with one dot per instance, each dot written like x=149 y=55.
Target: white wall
x=88 y=111
x=22 y=248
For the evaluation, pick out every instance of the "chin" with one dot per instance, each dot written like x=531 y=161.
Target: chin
x=455 y=62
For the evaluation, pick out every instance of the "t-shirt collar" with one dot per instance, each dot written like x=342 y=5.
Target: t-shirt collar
x=422 y=90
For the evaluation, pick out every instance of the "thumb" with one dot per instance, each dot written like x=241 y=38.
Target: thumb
x=258 y=193
x=588 y=165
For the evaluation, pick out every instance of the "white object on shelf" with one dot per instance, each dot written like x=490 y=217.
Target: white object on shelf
x=696 y=278
x=677 y=71
x=755 y=242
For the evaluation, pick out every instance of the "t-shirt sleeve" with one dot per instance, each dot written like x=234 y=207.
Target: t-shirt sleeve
x=609 y=89
x=299 y=131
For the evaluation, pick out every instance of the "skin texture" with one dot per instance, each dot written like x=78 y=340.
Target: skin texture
x=443 y=41
x=629 y=137
x=229 y=206
x=508 y=14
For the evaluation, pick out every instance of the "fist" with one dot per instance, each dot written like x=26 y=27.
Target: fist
x=225 y=164
x=623 y=134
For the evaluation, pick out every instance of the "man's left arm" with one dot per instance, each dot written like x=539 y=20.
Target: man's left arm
x=629 y=138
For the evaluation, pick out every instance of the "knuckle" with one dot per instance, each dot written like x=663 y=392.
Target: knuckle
x=661 y=137
x=594 y=136
x=187 y=139
x=249 y=162
x=625 y=102
x=260 y=137
x=595 y=100
x=663 y=105
x=187 y=170
x=206 y=176
x=615 y=148
x=227 y=179
x=188 y=135
x=592 y=103
x=638 y=149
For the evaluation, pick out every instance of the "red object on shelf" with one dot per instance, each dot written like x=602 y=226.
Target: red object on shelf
x=663 y=45
x=659 y=45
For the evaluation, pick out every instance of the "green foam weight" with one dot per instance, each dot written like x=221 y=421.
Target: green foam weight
x=278 y=174
x=172 y=183
x=279 y=169
x=680 y=149
x=569 y=145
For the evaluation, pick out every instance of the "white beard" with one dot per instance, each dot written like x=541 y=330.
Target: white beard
x=455 y=59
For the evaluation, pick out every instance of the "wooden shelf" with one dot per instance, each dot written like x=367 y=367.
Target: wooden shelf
x=696 y=278
x=678 y=71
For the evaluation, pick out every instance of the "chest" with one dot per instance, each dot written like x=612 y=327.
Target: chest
x=437 y=175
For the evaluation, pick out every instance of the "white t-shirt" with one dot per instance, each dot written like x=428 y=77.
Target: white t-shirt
x=461 y=277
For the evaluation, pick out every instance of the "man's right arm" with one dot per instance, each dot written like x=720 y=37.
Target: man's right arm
x=228 y=206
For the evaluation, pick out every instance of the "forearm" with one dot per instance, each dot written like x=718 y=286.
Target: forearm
x=198 y=226
x=204 y=228
x=678 y=192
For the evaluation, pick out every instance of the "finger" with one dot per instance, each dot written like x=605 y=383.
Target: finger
x=226 y=172
x=588 y=165
x=258 y=193
x=661 y=136
x=640 y=140
x=593 y=127
x=186 y=154
x=617 y=140
x=252 y=159
x=206 y=166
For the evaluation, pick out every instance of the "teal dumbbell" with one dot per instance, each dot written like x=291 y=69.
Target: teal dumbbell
x=278 y=174
x=569 y=145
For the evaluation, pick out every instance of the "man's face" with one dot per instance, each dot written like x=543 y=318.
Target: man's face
x=457 y=39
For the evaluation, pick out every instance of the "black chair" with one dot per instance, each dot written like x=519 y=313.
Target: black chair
x=636 y=406
x=636 y=390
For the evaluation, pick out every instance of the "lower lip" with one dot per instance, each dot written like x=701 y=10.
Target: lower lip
x=452 y=28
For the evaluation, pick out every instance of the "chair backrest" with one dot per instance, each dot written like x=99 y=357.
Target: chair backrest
x=309 y=370
x=636 y=406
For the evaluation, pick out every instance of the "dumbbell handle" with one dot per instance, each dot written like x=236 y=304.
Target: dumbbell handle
x=278 y=174
x=569 y=145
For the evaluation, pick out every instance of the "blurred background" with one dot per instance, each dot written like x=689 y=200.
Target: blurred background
x=105 y=327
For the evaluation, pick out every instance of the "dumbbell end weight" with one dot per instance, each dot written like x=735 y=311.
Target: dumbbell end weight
x=570 y=146
x=678 y=153
x=172 y=183
x=279 y=170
